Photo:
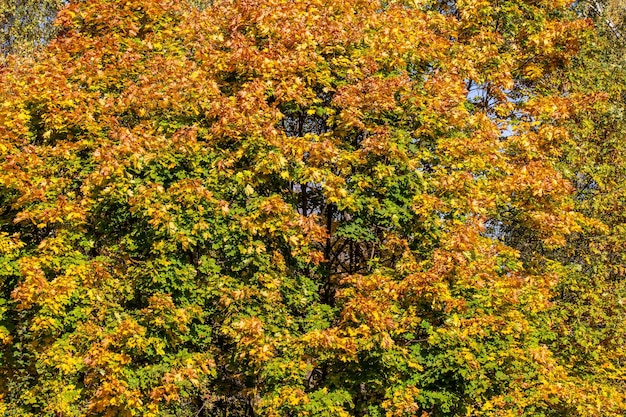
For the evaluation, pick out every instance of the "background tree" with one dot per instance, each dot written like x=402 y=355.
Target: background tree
x=26 y=24
x=589 y=310
x=293 y=208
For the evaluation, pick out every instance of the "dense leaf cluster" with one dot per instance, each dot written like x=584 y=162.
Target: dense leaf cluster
x=312 y=208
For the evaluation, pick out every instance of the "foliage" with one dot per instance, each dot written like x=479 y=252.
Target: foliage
x=589 y=310
x=25 y=24
x=298 y=207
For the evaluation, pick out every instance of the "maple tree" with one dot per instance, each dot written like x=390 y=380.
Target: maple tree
x=302 y=208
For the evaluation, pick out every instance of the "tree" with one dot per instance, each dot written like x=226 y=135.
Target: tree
x=25 y=24
x=291 y=208
x=589 y=309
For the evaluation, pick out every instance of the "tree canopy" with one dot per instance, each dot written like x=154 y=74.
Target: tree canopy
x=314 y=208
